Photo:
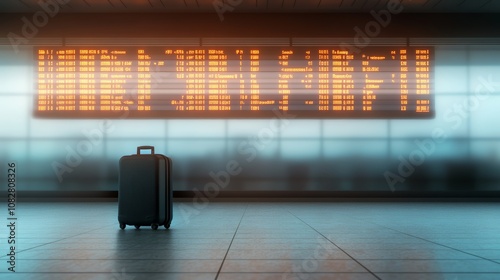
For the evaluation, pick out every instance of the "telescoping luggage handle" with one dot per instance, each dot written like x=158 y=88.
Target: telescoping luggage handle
x=145 y=148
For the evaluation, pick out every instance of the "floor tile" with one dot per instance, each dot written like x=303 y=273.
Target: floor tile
x=439 y=276
x=182 y=254
x=101 y=266
x=115 y=275
x=444 y=266
x=307 y=265
x=268 y=254
x=296 y=276
x=414 y=254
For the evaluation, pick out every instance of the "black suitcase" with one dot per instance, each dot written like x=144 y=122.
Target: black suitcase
x=144 y=192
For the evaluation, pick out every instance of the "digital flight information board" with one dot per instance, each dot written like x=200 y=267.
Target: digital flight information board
x=234 y=82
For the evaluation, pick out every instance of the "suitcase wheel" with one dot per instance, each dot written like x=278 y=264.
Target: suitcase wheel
x=137 y=226
x=154 y=226
x=167 y=226
x=122 y=225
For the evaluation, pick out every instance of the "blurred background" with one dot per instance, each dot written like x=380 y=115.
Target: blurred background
x=323 y=154
x=307 y=154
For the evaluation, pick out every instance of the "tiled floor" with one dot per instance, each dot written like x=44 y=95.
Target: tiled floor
x=258 y=241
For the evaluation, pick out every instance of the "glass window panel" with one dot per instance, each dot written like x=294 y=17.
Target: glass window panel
x=485 y=119
x=197 y=149
x=247 y=128
x=136 y=128
x=334 y=149
x=450 y=149
x=13 y=150
x=485 y=98
x=15 y=112
x=300 y=149
x=251 y=149
x=16 y=79
x=487 y=163
x=16 y=70
x=484 y=81
x=66 y=151
x=450 y=80
x=196 y=128
x=355 y=128
x=301 y=129
x=488 y=151
x=448 y=119
x=193 y=160
x=66 y=165
x=68 y=128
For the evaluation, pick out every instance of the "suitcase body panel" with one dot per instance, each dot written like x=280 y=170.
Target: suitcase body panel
x=145 y=195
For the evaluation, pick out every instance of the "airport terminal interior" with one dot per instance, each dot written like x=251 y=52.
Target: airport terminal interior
x=250 y=139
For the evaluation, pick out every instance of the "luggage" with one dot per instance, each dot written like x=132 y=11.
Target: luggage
x=144 y=192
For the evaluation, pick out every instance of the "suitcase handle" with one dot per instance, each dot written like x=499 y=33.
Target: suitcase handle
x=145 y=148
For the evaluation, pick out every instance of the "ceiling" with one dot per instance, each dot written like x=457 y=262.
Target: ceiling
x=252 y=6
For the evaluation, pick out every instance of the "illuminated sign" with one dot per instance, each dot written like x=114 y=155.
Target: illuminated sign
x=234 y=82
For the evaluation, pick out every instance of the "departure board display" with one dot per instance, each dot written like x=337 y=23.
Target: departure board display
x=234 y=82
